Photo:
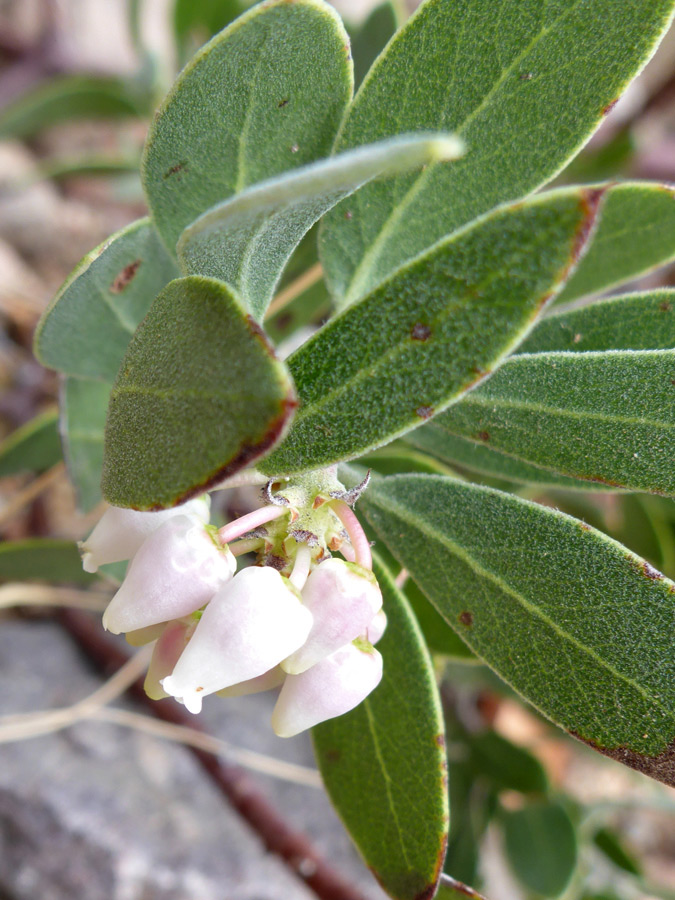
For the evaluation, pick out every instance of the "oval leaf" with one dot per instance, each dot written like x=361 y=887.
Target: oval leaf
x=637 y=234
x=608 y=418
x=629 y=322
x=247 y=240
x=83 y=404
x=524 y=88
x=34 y=447
x=87 y=327
x=200 y=395
x=541 y=845
x=384 y=763
x=42 y=559
x=553 y=606
x=265 y=95
x=434 y=329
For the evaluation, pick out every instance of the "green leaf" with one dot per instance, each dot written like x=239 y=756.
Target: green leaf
x=200 y=395
x=370 y=39
x=636 y=234
x=264 y=96
x=575 y=622
x=524 y=85
x=198 y=20
x=643 y=321
x=451 y=889
x=383 y=763
x=34 y=447
x=541 y=846
x=86 y=329
x=42 y=559
x=247 y=240
x=604 y=417
x=475 y=455
x=70 y=97
x=445 y=320
x=439 y=637
x=510 y=767
x=611 y=845
x=84 y=404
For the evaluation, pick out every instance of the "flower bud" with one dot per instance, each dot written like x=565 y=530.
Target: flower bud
x=177 y=570
x=120 y=532
x=342 y=598
x=330 y=688
x=251 y=624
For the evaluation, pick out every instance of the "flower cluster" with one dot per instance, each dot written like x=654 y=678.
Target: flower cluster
x=300 y=618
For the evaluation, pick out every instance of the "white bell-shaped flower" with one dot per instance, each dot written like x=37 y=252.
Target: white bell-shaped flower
x=177 y=570
x=342 y=598
x=120 y=532
x=265 y=682
x=248 y=628
x=165 y=655
x=375 y=629
x=330 y=688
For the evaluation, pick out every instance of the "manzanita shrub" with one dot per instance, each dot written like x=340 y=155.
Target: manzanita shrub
x=443 y=257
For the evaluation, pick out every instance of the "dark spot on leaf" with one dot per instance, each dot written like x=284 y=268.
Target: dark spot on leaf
x=282 y=103
x=665 y=306
x=590 y=204
x=125 y=277
x=284 y=320
x=348 y=214
x=483 y=435
x=660 y=767
x=174 y=170
x=610 y=106
x=650 y=572
x=420 y=332
x=584 y=527
x=424 y=412
x=440 y=741
x=466 y=618
x=526 y=76
x=333 y=756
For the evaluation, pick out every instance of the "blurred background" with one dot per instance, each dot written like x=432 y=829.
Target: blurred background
x=108 y=801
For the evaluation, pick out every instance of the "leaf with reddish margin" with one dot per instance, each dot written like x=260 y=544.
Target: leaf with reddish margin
x=199 y=396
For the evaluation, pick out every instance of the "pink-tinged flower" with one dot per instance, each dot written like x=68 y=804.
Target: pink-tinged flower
x=170 y=645
x=249 y=626
x=265 y=682
x=376 y=627
x=120 y=532
x=177 y=570
x=330 y=688
x=342 y=598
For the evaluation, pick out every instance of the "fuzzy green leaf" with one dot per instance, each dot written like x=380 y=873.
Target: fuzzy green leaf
x=33 y=447
x=523 y=83
x=83 y=405
x=86 y=329
x=264 y=96
x=574 y=621
x=369 y=40
x=541 y=845
x=42 y=559
x=606 y=417
x=425 y=336
x=383 y=763
x=474 y=454
x=636 y=234
x=644 y=321
x=247 y=240
x=199 y=395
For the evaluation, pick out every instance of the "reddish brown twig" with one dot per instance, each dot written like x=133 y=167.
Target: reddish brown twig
x=292 y=846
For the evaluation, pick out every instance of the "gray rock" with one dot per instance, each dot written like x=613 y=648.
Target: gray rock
x=98 y=812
